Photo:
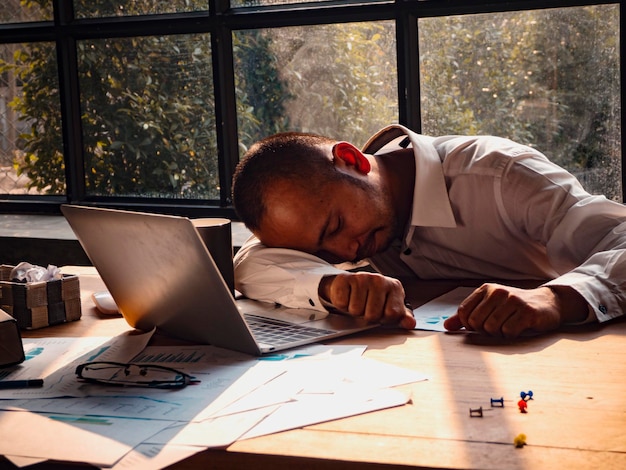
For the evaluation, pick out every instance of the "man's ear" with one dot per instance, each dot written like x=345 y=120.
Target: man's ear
x=351 y=156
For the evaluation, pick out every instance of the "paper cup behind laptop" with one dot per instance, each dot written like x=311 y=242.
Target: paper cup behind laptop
x=217 y=237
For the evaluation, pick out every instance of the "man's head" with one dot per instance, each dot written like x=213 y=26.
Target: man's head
x=314 y=194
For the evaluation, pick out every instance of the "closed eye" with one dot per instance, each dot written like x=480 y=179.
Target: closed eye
x=337 y=228
x=330 y=229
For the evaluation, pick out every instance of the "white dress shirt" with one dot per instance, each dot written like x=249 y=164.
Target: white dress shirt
x=483 y=208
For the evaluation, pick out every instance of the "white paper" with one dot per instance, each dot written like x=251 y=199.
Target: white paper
x=313 y=409
x=318 y=388
x=211 y=433
x=33 y=435
x=45 y=355
x=50 y=356
x=265 y=384
x=155 y=456
x=238 y=395
x=20 y=461
x=431 y=315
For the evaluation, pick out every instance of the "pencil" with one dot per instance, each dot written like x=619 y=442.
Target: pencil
x=6 y=384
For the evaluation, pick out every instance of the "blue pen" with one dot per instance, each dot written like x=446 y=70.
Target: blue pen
x=6 y=384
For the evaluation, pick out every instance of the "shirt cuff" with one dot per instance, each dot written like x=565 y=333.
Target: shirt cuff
x=601 y=305
x=307 y=286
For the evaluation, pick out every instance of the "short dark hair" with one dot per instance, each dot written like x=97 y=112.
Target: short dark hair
x=293 y=156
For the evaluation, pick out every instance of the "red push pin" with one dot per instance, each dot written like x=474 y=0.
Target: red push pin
x=522 y=406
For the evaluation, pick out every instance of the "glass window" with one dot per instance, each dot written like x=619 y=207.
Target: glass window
x=548 y=78
x=148 y=117
x=31 y=145
x=105 y=8
x=18 y=11
x=256 y=3
x=337 y=80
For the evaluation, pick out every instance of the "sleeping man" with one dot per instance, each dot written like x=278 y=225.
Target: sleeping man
x=451 y=207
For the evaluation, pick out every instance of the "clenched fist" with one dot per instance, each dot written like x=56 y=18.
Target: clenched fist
x=378 y=298
x=508 y=312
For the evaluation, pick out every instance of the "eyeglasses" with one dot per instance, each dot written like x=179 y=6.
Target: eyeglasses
x=133 y=375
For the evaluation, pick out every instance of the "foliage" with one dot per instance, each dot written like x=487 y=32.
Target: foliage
x=42 y=160
x=364 y=76
x=548 y=78
x=341 y=78
x=260 y=91
x=147 y=113
x=477 y=71
x=148 y=117
x=581 y=64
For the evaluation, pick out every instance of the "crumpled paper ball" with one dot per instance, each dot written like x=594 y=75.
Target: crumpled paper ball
x=26 y=272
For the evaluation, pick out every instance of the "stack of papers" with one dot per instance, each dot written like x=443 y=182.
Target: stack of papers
x=239 y=397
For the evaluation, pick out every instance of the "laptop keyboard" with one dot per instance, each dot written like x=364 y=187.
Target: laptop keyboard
x=278 y=332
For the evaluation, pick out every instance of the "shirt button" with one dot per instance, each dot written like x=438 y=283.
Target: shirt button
x=311 y=303
x=603 y=309
x=407 y=251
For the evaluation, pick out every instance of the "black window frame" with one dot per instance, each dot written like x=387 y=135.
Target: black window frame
x=220 y=20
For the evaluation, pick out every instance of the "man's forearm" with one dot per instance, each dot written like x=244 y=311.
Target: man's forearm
x=571 y=305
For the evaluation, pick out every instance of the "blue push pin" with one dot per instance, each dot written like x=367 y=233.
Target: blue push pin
x=499 y=402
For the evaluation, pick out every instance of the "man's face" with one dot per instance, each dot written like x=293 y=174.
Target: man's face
x=345 y=222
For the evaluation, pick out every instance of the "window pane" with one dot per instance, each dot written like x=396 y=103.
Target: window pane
x=148 y=117
x=337 y=80
x=548 y=78
x=31 y=146
x=16 y=11
x=256 y=3
x=106 y=8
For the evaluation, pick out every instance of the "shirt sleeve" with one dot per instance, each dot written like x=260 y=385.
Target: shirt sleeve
x=601 y=277
x=584 y=235
x=287 y=277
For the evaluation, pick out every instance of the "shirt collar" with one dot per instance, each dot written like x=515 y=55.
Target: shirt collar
x=431 y=204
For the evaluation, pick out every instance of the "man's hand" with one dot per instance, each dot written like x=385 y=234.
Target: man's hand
x=506 y=311
x=378 y=298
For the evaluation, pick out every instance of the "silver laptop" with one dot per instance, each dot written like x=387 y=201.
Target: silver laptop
x=160 y=274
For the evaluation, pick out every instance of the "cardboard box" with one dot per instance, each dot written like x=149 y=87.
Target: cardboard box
x=39 y=304
x=11 y=349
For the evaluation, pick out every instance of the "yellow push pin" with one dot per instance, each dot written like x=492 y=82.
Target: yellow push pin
x=520 y=440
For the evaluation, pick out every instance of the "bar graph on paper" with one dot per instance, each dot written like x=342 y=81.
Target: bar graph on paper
x=190 y=354
x=176 y=355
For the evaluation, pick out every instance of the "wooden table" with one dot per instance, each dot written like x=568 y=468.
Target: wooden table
x=577 y=418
